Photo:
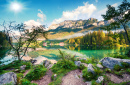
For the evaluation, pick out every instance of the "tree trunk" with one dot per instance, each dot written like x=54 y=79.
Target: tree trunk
x=18 y=56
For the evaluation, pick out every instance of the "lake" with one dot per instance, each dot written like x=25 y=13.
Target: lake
x=51 y=52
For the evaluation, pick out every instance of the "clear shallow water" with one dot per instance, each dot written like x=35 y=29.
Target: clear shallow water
x=52 y=52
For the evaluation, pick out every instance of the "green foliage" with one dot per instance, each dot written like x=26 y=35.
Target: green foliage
x=19 y=77
x=63 y=65
x=26 y=82
x=117 y=67
x=81 y=67
x=90 y=76
x=16 y=65
x=36 y=73
x=125 y=65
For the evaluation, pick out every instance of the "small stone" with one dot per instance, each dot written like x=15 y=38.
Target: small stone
x=77 y=63
x=88 y=82
x=16 y=70
x=76 y=76
x=82 y=59
x=46 y=63
x=55 y=75
x=91 y=68
x=23 y=67
x=99 y=66
x=100 y=79
x=49 y=66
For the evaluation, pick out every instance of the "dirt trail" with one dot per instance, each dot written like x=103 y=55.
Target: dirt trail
x=45 y=80
x=73 y=78
x=116 y=79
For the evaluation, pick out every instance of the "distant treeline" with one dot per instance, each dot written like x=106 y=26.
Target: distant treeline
x=99 y=38
x=3 y=42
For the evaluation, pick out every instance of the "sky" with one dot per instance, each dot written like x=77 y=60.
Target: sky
x=47 y=12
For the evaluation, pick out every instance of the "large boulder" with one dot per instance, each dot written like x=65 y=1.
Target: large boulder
x=77 y=63
x=111 y=62
x=91 y=68
x=9 y=77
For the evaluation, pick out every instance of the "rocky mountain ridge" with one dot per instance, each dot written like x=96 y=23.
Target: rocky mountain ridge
x=80 y=23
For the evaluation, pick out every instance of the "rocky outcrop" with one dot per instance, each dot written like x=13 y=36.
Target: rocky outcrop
x=91 y=68
x=9 y=77
x=111 y=62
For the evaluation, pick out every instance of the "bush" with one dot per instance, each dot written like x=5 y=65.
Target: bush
x=125 y=65
x=117 y=67
x=63 y=65
x=19 y=77
x=36 y=73
x=89 y=75
x=26 y=82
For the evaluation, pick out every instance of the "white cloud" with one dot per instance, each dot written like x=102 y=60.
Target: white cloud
x=39 y=21
x=82 y=12
x=31 y=23
x=41 y=16
x=96 y=0
x=98 y=14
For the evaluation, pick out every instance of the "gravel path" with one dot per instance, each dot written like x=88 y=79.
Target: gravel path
x=73 y=78
x=45 y=80
x=116 y=79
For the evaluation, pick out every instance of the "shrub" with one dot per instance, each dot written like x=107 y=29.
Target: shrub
x=125 y=65
x=19 y=77
x=117 y=67
x=62 y=65
x=89 y=75
x=26 y=82
x=36 y=73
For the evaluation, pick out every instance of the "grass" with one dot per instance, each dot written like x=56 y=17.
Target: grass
x=36 y=73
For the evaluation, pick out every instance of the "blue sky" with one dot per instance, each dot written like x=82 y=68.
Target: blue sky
x=53 y=11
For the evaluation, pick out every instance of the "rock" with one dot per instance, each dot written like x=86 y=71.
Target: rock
x=49 y=66
x=33 y=61
x=23 y=67
x=55 y=75
x=16 y=70
x=86 y=65
x=7 y=78
x=82 y=58
x=100 y=79
x=91 y=68
x=76 y=76
x=88 y=82
x=111 y=62
x=77 y=63
x=99 y=66
x=46 y=63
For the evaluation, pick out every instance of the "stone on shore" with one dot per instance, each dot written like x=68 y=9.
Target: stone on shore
x=9 y=77
x=110 y=62
x=91 y=68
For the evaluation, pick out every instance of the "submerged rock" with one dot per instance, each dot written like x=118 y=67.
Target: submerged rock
x=111 y=62
x=77 y=63
x=91 y=68
x=9 y=77
x=100 y=79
